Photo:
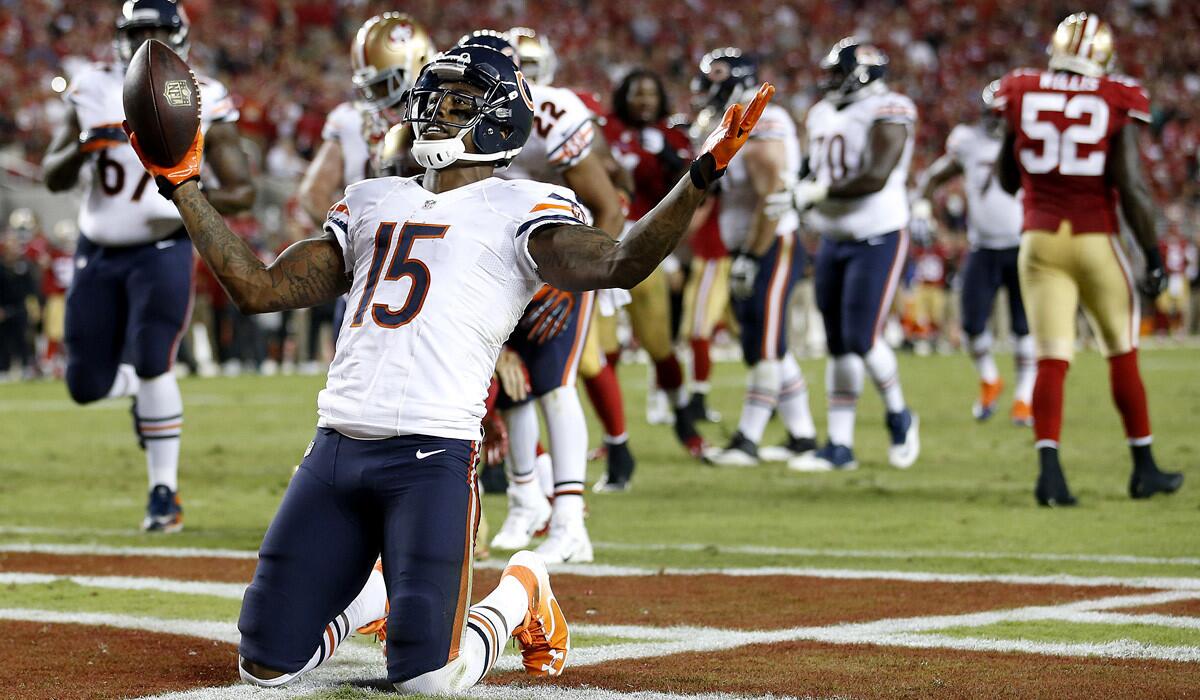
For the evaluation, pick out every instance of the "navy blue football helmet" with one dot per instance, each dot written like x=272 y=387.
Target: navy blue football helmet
x=140 y=16
x=469 y=89
x=725 y=75
x=850 y=66
x=493 y=40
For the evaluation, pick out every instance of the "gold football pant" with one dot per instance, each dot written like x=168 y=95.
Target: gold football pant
x=1059 y=271
x=705 y=297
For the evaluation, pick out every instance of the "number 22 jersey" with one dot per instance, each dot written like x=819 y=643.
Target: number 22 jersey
x=1064 y=126
x=439 y=282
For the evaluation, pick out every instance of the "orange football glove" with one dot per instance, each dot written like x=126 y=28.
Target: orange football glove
x=723 y=144
x=168 y=179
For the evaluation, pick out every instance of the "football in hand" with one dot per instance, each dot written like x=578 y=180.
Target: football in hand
x=162 y=103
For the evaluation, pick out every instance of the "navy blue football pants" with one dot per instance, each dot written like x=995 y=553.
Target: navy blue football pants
x=984 y=274
x=125 y=305
x=855 y=281
x=412 y=499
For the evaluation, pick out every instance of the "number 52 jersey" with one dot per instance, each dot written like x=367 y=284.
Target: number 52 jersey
x=438 y=284
x=1064 y=126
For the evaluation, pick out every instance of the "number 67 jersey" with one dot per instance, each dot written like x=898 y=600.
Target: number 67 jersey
x=438 y=284
x=123 y=207
x=1064 y=125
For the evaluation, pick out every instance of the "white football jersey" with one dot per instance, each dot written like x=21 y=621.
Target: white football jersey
x=837 y=143
x=345 y=125
x=439 y=282
x=562 y=135
x=994 y=217
x=123 y=206
x=738 y=197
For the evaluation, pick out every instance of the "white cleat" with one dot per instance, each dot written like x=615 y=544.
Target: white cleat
x=904 y=455
x=741 y=452
x=526 y=515
x=567 y=542
x=658 y=408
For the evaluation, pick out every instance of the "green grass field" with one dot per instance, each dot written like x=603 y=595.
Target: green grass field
x=72 y=474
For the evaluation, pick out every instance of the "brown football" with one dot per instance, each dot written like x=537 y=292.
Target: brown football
x=162 y=103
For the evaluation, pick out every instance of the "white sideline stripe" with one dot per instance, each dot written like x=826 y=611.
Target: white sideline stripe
x=219 y=631
x=807 y=552
x=605 y=570
x=131 y=583
x=800 y=552
x=106 y=550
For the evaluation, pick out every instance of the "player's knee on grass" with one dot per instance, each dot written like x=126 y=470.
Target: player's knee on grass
x=257 y=674
x=419 y=623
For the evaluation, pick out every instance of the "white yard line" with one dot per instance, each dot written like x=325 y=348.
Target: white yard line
x=809 y=552
x=132 y=583
x=606 y=570
x=106 y=550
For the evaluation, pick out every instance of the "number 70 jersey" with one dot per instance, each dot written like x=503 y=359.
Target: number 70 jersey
x=438 y=284
x=1064 y=126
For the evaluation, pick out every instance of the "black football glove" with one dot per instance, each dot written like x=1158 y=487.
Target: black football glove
x=1155 y=280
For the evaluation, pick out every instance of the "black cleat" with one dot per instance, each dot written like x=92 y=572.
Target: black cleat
x=164 y=512
x=685 y=431
x=620 y=469
x=1146 y=483
x=1051 y=489
x=698 y=409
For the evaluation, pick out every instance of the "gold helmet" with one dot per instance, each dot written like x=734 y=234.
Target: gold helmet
x=1083 y=44
x=537 y=59
x=388 y=52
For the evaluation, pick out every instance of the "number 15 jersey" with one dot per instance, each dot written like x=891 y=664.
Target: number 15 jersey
x=1064 y=125
x=439 y=282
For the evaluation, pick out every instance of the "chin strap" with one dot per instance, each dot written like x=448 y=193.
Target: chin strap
x=442 y=153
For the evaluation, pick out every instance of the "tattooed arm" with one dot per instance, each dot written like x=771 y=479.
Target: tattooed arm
x=308 y=273
x=579 y=258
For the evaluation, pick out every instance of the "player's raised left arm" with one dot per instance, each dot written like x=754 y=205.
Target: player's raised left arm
x=580 y=258
x=1137 y=204
x=224 y=153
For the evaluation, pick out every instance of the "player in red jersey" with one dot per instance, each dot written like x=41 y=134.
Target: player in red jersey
x=1071 y=143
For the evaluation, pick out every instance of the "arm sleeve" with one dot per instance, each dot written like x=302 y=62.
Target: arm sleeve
x=896 y=109
x=956 y=144
x=1137 y=101
x=572 y=133
x=556 y=207
x=337 y=223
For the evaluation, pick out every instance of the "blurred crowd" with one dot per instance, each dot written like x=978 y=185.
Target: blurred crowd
x=287 y=64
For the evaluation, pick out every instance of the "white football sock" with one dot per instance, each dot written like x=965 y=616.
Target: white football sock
x=880 y=362
x=985 y=363
x=762 y=395
x=160 y=423
x=844 y=382
x=125 y=382
x=1025 y=357
x=793 y=399
x=522 y=443
x=371 y=602
x=566 y=428
x=545 y=473
x=489 y=624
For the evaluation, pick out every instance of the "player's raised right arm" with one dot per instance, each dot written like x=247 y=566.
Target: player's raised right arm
x=307 y=273
x=580 y=258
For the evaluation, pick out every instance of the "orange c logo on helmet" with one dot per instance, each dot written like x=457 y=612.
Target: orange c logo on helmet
x=523 y=88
